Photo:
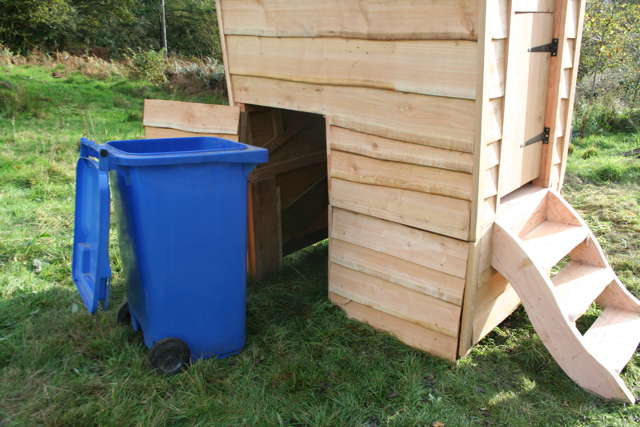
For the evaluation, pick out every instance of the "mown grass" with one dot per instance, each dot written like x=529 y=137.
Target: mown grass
x=304 y=364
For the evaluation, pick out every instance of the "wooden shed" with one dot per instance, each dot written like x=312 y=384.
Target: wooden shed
x=439 y=130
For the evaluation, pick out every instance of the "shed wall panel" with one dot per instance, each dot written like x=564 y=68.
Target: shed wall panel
x=429 y=120
x=365 y=19
x=431 y=67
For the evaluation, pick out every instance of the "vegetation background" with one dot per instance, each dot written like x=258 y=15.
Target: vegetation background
x=72 y=68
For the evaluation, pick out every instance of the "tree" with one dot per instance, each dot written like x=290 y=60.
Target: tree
x=611 y=44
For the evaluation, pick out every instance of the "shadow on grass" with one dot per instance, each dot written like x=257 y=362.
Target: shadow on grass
x=305 y=363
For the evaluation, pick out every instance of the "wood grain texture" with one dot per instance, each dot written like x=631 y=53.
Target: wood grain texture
x=438 y=214
x=410 y=333
x=191 y=117
x=497 y=19
x=388 y=149
x=525 y=99
x=365 y=170
x=363 y=19
x=428 y=120
x=396 y=270
x=430 y=250
x=495 y=301
x=496 y=58
x=430 y=67
x=223 y=48
x=151 y=132
x=398 y=301
x=522 y=6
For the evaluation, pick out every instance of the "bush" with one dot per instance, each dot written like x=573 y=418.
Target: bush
x=149 y=65
x=15 y=100
x=603 y=114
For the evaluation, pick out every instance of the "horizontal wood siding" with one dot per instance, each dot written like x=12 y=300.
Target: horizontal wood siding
x=398 y=301
x=436 y=252
x=408 y=332
x=365 y=19
x=442 y=215
x=429 y=120
x=365 y=170
x=152 y=132
x=376 y=147
x=431 y=67
x=397 y=82
x=191 y=117
x=397 y=270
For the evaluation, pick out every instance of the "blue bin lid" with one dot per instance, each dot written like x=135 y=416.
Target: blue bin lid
x=90 y=261
x=167 y=151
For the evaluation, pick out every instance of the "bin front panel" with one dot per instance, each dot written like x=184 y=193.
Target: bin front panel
x=183 y=246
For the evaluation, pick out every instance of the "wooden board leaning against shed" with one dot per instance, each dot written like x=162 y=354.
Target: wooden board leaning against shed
x=434 y=111
x=288 y=195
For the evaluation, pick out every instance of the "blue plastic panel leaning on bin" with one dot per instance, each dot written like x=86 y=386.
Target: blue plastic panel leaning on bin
x=182 y=221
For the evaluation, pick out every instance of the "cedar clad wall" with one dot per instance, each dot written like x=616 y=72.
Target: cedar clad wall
x=397 y=82
x=413 y=93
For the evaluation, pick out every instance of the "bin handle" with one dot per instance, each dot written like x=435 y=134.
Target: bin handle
x=89 y=148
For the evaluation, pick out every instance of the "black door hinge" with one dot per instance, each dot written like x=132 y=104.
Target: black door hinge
x=544 y=137
x=549 y=47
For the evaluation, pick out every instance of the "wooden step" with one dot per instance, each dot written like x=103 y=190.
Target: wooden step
x=578 y=285
x=551 y=241
x=614 y=337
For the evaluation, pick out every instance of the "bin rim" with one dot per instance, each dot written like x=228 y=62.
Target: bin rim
x=227 y=152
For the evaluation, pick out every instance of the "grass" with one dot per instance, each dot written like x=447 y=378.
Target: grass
x=304 y=363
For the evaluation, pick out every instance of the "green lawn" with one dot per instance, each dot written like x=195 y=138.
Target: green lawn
x=304 y=363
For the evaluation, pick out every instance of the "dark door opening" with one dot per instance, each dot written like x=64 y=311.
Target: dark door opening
x=288 y=195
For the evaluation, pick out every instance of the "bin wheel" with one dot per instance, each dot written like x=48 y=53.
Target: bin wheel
x=123 y=316
x=170 y=356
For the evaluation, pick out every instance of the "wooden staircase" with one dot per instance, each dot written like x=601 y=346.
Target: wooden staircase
x=537 y=230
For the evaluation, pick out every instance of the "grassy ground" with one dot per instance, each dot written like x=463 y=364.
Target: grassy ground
x=305 y=363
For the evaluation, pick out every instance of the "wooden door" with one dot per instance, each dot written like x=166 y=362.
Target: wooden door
x=525 y=99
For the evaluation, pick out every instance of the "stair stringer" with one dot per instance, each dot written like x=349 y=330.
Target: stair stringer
x=614 y=296
x=560 y=337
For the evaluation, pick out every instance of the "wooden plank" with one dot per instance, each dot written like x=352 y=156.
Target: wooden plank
x=495 y=301
x=267 y=232
x=553 y=97
x=493 y=155
x=525 y=100
x=398 y=301
x=430 y=250
x=428 y=120
x=492 y=120
x=439 y=214
x=294 y=183
x=430 y=67
x=151 y=132
x=387 y=149
x=575 y=8
x=365 y=170
x=568 y=53
x=490 y=182
x=304 y=212
x=276 y=168
x=497 y=24
x=614 y=336
x=191 y=117
x=362 y=19
x=560 y=337
x=410 y=333
x=496 y=57
x=579 y=19
x=396 y=270
x=485 y=131
x=523 y=6
x=223 y=48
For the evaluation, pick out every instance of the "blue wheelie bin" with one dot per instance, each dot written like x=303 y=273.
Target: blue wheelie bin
x=181 y=205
